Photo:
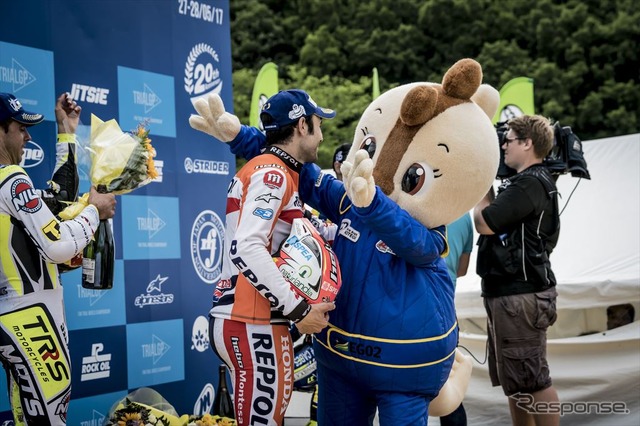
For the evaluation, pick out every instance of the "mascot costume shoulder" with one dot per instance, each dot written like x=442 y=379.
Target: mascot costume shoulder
x=423 y=154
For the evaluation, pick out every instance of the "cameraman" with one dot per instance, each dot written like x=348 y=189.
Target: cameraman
x=519 y=228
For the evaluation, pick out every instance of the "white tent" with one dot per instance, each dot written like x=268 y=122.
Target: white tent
x=597 y=264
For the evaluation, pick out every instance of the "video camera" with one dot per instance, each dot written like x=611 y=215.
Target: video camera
x=566 y=156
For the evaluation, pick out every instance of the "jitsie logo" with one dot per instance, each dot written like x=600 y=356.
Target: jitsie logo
x=94 y=95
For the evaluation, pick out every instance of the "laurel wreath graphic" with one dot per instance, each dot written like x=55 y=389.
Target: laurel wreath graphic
x=197 y=50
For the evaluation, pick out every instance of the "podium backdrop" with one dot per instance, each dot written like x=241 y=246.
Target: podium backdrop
x=135 y=61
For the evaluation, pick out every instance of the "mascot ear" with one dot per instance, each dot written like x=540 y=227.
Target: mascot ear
x=488 y=99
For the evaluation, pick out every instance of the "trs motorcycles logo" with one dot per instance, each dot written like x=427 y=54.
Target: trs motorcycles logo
x=154 y=295
x=207 y=237
x=201 y=71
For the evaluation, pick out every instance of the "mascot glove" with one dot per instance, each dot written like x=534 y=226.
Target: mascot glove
x=358 y=179
x=213 y=118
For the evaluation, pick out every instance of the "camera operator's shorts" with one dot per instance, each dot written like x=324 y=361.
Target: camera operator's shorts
x=517 y=339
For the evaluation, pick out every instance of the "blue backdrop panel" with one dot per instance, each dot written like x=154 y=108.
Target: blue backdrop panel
x=135 y=61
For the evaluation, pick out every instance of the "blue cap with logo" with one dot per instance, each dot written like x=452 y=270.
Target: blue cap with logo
x=288 y=106
x=10 y=107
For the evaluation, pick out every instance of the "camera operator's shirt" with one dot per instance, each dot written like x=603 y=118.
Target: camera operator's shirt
x=525 y=221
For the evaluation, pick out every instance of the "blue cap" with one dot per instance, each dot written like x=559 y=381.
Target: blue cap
x=288 y=106
x=10 y=107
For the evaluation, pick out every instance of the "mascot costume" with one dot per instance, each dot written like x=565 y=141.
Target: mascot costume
x=423 y=154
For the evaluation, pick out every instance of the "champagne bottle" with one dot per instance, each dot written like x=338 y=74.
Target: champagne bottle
x=222 y=404
x=99 y=257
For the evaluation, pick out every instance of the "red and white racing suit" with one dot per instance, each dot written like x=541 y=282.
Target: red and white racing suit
x=33 y=334
x=252 y=303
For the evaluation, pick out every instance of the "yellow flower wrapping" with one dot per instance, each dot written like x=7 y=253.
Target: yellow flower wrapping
x=120 y=161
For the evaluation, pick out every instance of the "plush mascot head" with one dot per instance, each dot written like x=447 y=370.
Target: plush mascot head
x=434 y=148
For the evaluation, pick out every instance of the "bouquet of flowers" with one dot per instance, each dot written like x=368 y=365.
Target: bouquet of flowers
x=121 y=161
x=146 y=407
x=134 y=414
x=210 y=420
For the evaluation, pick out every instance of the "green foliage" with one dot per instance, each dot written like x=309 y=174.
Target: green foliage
x=583 y=55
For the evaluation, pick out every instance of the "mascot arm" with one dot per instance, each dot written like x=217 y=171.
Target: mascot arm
x=323 y=192
x=407 y=237
x=249 y=142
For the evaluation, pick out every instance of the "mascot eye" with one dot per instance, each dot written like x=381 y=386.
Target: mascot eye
x=414 y=179
x=369 y=145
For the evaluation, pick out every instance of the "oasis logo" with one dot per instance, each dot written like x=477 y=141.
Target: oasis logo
x=200 y=334
x=201 y=72
x=32 y=155
x=207 y=237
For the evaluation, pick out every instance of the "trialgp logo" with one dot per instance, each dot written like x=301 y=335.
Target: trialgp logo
x=201 y=71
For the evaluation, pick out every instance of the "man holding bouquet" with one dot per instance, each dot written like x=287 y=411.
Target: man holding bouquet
x=33 y=333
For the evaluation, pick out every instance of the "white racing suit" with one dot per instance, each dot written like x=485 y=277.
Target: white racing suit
x=33 y=335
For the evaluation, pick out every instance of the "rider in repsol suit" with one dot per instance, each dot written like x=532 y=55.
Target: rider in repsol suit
x=252 y=304
x=33 y=333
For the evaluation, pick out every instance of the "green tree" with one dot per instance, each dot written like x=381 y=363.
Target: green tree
x=583 y=55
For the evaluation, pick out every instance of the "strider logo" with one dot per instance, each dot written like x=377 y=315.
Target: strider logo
x=273 y=179
x=24 y=196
